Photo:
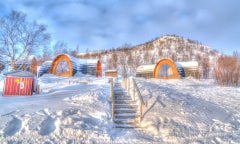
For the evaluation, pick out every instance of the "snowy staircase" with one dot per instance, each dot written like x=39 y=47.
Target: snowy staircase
x=125 y=109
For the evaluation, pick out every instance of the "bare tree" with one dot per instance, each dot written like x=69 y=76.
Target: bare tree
x=75 y=52
x=19 y=38
x=60 y=47
x=114 y=59
x=122 y=61
x=146 y=57
x=205 y=66
x=227 y=70
x=130 y=63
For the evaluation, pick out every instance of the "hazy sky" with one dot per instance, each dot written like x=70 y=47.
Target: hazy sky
x=103 y=24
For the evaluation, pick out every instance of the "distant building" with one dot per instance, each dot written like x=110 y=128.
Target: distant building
x=111 y=73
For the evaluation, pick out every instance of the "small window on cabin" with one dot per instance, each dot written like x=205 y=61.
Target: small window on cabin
x=62 y=67
x=165 y=70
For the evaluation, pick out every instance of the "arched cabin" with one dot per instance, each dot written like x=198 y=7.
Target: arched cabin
x=167 y=69
x=65 y=65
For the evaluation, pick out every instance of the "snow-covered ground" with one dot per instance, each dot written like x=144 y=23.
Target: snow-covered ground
x=191 y=111
x=77 y=110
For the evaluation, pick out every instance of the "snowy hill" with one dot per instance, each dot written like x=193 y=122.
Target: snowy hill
x=77 y=110
x=127 y=58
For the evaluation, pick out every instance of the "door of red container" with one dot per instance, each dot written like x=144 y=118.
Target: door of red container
x=11 y=86
x=25 y=87
x=17 y=86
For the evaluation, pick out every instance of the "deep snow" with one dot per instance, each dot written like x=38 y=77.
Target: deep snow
x=77 y=110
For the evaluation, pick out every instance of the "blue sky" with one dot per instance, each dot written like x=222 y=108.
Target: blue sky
x=103 y=24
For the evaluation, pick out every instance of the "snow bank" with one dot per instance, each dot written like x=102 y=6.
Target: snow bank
x=191 y=111
x=77 y=110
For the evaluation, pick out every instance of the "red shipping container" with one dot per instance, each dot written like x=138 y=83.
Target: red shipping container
x=18 y=85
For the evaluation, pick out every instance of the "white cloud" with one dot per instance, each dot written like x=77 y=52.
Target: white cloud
x=105 y=24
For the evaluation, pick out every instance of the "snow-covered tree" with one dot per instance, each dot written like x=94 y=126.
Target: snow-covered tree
x=19 y=38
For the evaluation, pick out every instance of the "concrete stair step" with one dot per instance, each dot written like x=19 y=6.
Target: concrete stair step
x=126 y=126
x=126 y=108
x=126 y=116
x=119 y=111
x=123 y=98
x=124 y=102
x=116 y=106
x=120 y=93
x=126 y=121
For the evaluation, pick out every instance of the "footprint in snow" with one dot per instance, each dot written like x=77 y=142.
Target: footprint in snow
x=12 y=127
x=47 y=126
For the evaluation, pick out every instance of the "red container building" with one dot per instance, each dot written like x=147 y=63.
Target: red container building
x=18 y=83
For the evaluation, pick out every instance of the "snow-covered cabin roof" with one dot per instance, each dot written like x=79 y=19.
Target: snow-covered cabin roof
x=19 y=73
x=186 y=64
x=112 y=70
x=81 y=61
x=146 y=68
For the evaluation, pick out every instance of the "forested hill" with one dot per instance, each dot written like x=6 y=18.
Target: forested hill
x=127 y=58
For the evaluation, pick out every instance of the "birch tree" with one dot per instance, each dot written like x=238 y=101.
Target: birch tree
x=19 y=38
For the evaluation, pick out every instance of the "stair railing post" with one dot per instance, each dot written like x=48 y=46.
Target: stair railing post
x=112 y=96
x=128 y=85
x=133 y=90
x=140 y=112
x=113 y=110
x=123 y=82
x=111 y=89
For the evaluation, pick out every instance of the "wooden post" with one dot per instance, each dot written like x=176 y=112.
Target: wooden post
x=125 y=83
x=112 y=96
x=128 y=85
x=140 y=112
x=133 y=90
x=122 y=81
x=37 y=89
x=111 y=89
x=113 y=110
